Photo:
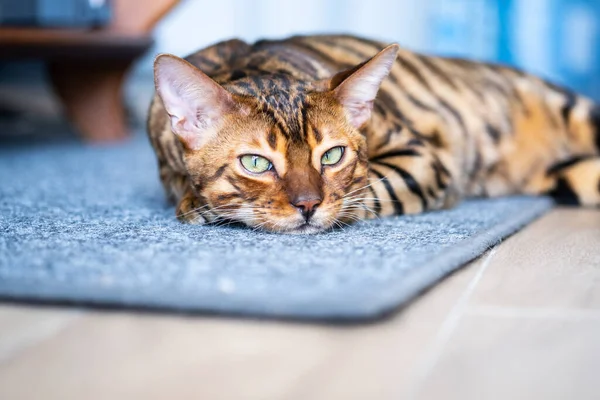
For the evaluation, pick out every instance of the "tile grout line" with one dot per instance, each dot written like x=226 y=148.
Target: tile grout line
x=432 y=355
x=42 y=333
x=532 y=312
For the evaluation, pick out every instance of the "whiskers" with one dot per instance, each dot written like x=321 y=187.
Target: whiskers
x=224 y=215
x=354 y=201
x=364 y=187
x=193 y=210
x=254 y=217
x=355 y=207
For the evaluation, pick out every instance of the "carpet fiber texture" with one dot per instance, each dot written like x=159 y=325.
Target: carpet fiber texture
x=91 y=226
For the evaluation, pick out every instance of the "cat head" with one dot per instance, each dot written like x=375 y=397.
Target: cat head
x=271 y=151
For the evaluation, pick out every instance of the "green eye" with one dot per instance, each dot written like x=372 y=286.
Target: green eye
x=332 y=156
x=256 y=164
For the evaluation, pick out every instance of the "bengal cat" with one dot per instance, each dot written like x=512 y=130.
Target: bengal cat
x=304 y=134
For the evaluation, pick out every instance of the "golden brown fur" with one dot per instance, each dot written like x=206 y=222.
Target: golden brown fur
x=440 y=130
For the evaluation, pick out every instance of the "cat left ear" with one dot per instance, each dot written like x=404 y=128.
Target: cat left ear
x=359 y=86
x=195 y=103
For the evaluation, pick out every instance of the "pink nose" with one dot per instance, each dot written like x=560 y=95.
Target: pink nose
x=307 y=207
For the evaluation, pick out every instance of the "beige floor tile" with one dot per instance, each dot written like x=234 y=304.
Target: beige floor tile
x=518 y=358
x=119 y=355
x=379 y=361
x=23 y=327
x=554 y=263
x=127 y=355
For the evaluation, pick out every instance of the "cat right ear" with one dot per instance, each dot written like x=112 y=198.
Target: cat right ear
x=195 y=103
x=357 y=88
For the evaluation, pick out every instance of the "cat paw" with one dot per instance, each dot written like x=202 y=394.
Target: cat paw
x=579 y=183
x=193 y=218
x=191 y=211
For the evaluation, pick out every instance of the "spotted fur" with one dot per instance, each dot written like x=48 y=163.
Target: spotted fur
x=440 y=130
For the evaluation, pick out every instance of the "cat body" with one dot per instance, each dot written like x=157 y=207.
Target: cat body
x=253 y=136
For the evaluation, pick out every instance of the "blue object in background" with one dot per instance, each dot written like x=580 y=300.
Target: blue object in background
x=55 y=13
x=575 y=52
x=557 y=39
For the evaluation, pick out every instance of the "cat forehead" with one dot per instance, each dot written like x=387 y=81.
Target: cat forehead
x=281 y=97
x=269 y=85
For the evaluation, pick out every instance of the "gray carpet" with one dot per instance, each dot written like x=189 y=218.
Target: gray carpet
x=90 y=225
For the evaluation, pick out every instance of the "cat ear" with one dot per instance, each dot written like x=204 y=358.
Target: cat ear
x=195 y=103
x=359 y=86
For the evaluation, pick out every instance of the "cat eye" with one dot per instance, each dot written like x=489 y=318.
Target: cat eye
x=255 y=164
x=332 y=156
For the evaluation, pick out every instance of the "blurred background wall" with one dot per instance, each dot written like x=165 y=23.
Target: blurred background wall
x=558 y=39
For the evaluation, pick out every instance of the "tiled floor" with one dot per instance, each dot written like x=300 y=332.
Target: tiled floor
x=522 y=322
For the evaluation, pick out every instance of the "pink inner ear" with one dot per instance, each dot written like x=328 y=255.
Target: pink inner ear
x=194 y=102
x=357 y=95
x=359 y=113
x=358 y=90
x=185 y=133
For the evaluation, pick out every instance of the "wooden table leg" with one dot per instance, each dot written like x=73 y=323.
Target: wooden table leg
x=92 y=96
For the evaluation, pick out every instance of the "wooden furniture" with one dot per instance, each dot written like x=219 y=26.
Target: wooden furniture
x=87 y=67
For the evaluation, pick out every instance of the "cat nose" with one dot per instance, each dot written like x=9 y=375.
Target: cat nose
x=307 y=206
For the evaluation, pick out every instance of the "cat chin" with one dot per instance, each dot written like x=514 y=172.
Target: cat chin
x=305 y=229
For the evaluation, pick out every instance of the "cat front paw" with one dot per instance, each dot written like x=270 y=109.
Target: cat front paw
x=191 y=211
x=193 y=218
